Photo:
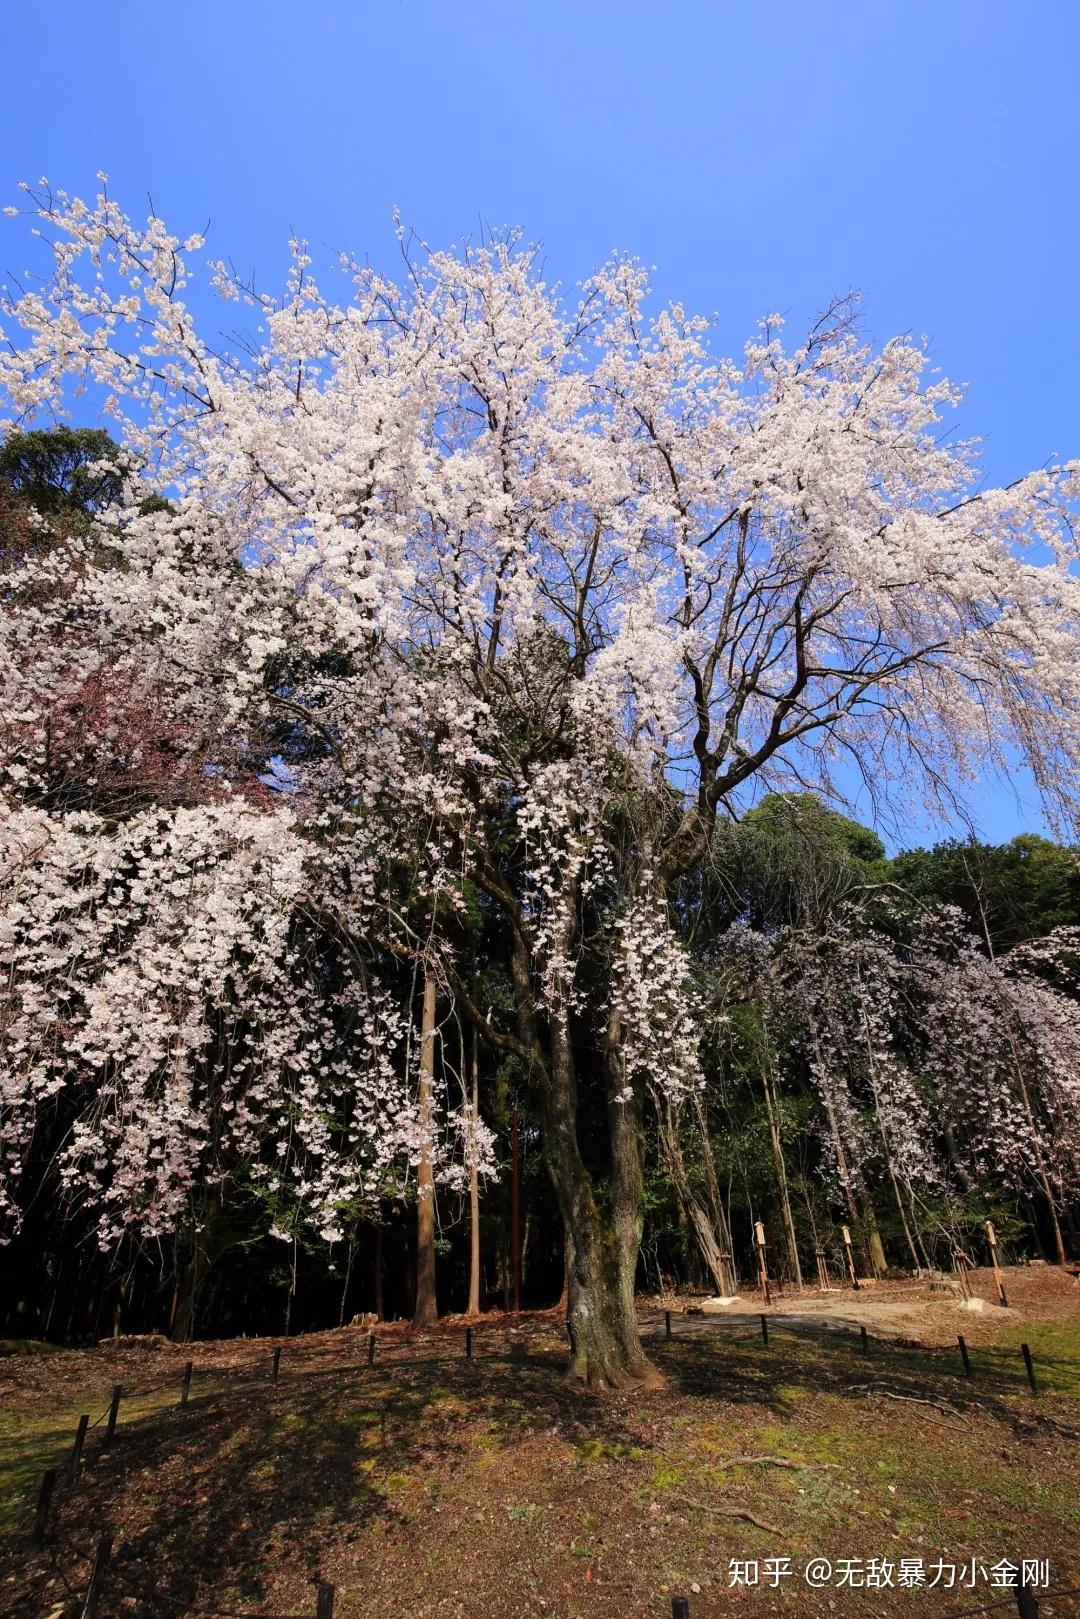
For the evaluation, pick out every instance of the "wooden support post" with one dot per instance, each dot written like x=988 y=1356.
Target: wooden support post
x=667 y=1325
x=960 y=1266
x=77 y=1448
x=114 y=1412
x=1030 y=1367
x=964 y=1356
x=185 y=1387
x=1026 y=1605
x=845 y=1233
x=324 y=1601
x=992 y=1239
x=468 y=1343
x=276 y=1369
x=44 y=1502
x=97 y=1578
x=371 y=1349
x=765 y=1330
x=763 y=1273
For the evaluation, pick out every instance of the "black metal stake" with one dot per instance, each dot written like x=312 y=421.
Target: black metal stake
x=1030 y=1365
x=44 y=1502
x=865 y=1341
x=468 y=1343
x=114 y=1412
x=185 y=1387
x=277 y=1364
x=1026 y=1605
x=964 y=1356
x=667 y=1325
x=324 y=1601
x=77 y=1448
x=371 y=1349
x=765 y=1330
x=680 y=1608
x=97 y=1577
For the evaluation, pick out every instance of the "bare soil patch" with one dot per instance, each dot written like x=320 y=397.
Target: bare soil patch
x=435 y=1486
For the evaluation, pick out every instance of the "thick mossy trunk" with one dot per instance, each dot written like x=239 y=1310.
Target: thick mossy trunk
x=602 y=1232
x=603 y=1237
x=605 y=1343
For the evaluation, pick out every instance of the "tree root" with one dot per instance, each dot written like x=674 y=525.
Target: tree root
x=731 y=1512
x=777 y=1461
x=909 y=1399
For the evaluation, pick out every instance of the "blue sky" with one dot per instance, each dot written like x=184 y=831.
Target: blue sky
x=763 y=157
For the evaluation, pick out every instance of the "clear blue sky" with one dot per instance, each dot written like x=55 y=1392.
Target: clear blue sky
x=763 y=157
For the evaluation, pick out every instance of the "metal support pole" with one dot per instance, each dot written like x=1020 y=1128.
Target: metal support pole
x=114 y=1412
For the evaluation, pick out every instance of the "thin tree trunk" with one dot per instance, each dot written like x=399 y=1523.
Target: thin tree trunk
x=721 y=1223
x=773 y=1113
x=695 y=1215
x=474 y=1194
x=377 y=1266
x=426 y=1312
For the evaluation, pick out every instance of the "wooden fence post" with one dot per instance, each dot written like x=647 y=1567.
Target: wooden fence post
x=97 y=1577
x=759 y=1240
x=992 y=1239
x=114 y=1412
x=44 y=1502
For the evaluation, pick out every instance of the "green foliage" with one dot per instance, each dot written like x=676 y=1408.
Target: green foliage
x=64 y=471
x=1010 y=891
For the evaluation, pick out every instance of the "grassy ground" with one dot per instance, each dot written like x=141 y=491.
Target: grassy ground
x=432 y=1486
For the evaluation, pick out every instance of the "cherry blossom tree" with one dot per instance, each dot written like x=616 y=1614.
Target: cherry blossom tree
x=540 y=585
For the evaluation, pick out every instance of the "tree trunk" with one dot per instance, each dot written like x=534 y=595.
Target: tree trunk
x=377 y=1267
x=602 y=1239
x=208 y=1243
x=426 y=1312
x=696 y=1217
x=474 y=1195
x=773 y=1113
x=720 y=1221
